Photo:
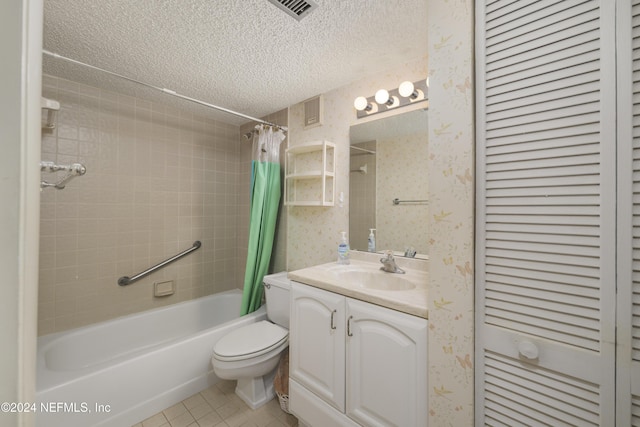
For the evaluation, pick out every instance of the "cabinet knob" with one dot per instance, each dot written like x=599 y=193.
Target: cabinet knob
x=528 y=350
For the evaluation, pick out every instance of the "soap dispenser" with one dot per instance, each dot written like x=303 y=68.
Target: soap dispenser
x=371 y=246
x=343 y=249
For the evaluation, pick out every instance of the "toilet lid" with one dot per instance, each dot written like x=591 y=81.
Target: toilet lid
x=250 y=341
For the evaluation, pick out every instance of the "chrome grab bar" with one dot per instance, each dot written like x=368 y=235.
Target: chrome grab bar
x=126 y=280
x=398 y=201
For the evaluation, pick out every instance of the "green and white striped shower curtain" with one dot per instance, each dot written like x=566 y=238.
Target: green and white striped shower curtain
x=265 y=198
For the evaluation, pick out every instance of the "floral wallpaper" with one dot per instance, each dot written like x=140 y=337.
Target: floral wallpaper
x=451 y=206
x=402 y=165
x=313 y=233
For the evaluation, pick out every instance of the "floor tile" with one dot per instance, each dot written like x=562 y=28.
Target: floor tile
x=156 y=421
x=212 y=419
x=219 y=406
x=201 y=410
x=174 y=411
x=193 y=401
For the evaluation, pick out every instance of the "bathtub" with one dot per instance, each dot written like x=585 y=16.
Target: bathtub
x=121 y=371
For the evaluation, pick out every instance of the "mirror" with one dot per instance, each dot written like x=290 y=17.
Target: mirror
x=388 y=183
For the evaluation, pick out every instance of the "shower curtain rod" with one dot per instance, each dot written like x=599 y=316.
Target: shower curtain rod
x=165 y=90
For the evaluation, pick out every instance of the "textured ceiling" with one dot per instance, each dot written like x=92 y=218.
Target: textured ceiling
x=245 y=55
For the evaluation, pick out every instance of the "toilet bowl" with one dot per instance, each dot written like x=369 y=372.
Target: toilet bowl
x=251 y=354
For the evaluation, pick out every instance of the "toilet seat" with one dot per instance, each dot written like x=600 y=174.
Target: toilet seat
x=250 y=341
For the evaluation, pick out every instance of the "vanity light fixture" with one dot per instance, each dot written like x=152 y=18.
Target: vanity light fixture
x=362 y=104
x=406 y=94
x=383 y=98
x=407 y=90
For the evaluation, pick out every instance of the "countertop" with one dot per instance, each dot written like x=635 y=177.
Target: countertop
x=330 y=277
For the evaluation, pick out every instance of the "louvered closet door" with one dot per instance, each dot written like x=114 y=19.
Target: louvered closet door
x=628 y=313
x=545 y=282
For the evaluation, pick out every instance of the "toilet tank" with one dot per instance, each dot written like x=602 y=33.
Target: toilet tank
x=276 y=290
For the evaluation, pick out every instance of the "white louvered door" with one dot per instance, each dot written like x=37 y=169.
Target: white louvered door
x=546 y=196
x=628 y=308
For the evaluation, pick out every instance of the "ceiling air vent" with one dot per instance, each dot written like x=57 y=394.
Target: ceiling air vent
x=296 y=8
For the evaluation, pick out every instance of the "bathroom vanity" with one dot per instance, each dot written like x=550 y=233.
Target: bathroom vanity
x=358 y=345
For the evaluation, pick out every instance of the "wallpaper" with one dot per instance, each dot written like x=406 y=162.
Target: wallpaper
x=402 y=166
x=313 y=233
x=451 y=208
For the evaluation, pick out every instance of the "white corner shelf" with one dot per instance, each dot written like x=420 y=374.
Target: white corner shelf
x=309 y=178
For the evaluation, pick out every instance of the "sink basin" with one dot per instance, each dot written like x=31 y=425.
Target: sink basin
x=363 y=280
x=376 y=279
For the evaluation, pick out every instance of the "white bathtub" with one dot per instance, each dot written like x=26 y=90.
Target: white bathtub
x=119 y=372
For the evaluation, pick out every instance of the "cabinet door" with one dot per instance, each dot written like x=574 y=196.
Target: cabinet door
x=628 y=214
x=317 y=342
x=545 y=213
x=386 y=366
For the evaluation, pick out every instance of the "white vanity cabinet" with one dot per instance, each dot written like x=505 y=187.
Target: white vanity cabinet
x=317 y=344
x=355 y=363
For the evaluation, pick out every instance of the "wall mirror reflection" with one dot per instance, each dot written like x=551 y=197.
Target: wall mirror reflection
x=388 y=183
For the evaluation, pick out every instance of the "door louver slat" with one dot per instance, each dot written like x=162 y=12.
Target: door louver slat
x=635 y=309
x=635 y=411
x=500 y=277
x=504 y=285
x=547 y=397
x=544 y=248
x=527 y=32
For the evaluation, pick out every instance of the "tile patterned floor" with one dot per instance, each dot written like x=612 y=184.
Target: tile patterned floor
x=218 y=406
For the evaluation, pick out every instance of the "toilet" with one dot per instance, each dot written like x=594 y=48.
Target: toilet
x=250 y=354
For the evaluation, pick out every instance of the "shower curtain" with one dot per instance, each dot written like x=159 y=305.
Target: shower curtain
x=265 y=197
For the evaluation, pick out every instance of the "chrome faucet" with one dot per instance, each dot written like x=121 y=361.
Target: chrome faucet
x=389 y=264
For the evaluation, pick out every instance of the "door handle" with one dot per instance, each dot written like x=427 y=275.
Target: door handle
x=528 y=350
x=333 y=325
x=349 y=326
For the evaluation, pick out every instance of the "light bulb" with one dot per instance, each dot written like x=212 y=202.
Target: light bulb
x=406 y=89
x=382 y=97
x=427 y=81
x=361 y=104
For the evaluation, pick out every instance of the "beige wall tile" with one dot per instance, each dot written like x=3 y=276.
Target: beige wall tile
x=141 y=201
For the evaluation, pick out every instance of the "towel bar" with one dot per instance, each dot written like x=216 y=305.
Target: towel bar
x=398 y=201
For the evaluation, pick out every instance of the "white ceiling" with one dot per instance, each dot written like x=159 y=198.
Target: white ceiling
x=245 y=55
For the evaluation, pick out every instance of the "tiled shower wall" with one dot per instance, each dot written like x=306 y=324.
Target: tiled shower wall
x=157 y=180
